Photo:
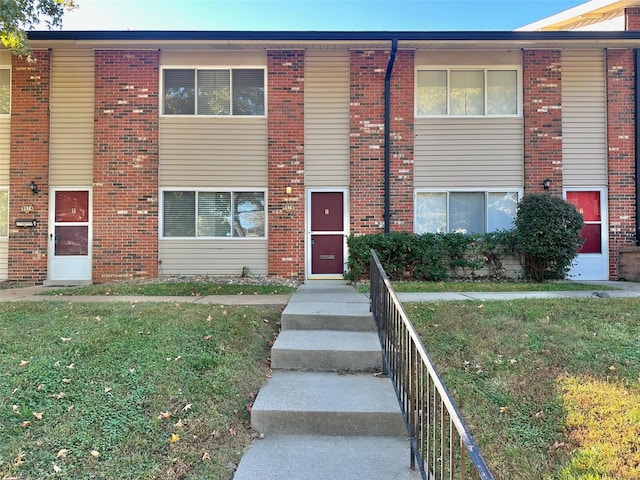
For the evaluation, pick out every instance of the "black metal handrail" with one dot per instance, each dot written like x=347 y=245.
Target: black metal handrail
x=441 y=444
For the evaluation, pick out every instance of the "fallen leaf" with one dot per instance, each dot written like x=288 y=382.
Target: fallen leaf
x=25 y=424
x=19 y=459
x=66 y=380
x=56 y=468
x=612 y=368
x=38 y=415
x=71 y=365
x=249 y=407
x=58 y=396
x=98 y=318
x=232 y=431
x=16 y=408
x=164 y=415
x=540 y=414
x=65 y=339
x=174 y=438
x=558 y=445
x=41 y=387
x=57 y=364
x=95 y=453
x=179 y=424
x=209 y=318
x=504 y=409
x=513 y=361
x=206 y=456
x=62 y=453
x=107 y=389
x=24 y=363
x=187 y=407
x=207 y=337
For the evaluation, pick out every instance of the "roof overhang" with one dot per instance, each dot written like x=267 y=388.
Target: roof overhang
x=265 y=40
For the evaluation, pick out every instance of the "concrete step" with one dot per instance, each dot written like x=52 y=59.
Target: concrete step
x=327 y=316
x=299 y=457
x=326 y=350
x=319 y=403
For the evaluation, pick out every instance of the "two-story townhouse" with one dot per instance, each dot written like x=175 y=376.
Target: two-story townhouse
x=136 y=154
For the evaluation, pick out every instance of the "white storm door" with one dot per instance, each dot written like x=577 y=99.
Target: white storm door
x=70 y=235
x=592 y=262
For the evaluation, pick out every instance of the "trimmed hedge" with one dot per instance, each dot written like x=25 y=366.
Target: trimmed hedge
x=430 y=256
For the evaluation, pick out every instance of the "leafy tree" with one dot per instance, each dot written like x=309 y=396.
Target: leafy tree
x=19 y=16
x=547 y=235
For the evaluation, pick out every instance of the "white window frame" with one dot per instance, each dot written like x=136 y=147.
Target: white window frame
x=195 y=68
x=485 y=191
x=485 y=68
x=211 y=190
x=8 y=114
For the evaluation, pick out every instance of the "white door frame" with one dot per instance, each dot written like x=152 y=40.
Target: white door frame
x=69 y=268
x=309 y=233
x=591 y=266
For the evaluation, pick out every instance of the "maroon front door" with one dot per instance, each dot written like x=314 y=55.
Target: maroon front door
x=327 y=233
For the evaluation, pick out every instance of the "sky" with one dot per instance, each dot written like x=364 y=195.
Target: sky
x=308 y=15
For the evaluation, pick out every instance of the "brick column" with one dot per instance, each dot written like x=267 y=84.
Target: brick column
x=29 y=161
x=632 y=18
x=367 y=141
x=125 y=167
x=402 y=142
x=286 y=163
x=542 y=105
x=621 y=153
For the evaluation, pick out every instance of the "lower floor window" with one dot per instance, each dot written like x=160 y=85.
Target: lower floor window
x=4 y=213
x=464 y=212
x=193 y=213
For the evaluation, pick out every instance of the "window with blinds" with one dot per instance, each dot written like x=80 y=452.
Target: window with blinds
x=214 y=91
x=221 y=214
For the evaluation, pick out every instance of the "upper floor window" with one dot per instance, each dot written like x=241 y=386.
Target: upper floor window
x=467 y=92
x=193 y=91
x=5 y=91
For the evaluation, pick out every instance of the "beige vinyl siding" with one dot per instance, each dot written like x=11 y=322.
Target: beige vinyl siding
x=584 y=127
x=326 y=118
x=213 y=152
x=468 y=152
x=212 y=257
x=72 y=115
x=202 y=58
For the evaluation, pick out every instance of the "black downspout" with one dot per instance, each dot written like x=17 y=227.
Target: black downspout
x=387 y=136
x=637 y=142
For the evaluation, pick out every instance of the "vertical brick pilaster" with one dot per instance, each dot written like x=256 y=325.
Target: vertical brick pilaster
x=632 y=18
x=125 y=171
x=621 y=153
x=367 y=141
x=286 y=163
x=29 y=161
x=402 y=142
x=542 y=104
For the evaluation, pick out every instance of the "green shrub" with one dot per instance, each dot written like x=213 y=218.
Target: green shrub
x=547 y=236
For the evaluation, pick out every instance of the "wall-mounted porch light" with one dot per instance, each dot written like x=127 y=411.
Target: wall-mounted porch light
x=546 y=183
x=34 y=188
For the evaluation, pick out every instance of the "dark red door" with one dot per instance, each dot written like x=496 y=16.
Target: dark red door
x=327 y=233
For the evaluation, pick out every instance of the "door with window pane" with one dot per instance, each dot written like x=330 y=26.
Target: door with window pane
x=69 y=239
x=592 y=260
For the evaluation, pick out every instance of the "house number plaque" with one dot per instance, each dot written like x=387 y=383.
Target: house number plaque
x=326 y=211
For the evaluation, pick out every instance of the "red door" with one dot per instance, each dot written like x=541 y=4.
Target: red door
x=327 y=233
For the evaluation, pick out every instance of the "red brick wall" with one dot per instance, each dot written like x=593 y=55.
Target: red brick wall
x=621 y=153
x=542 y=105
x=125 y=168
x=632 y=18
x=285 y=85
x=29 y=151
x=367 y=141
x=402 y=142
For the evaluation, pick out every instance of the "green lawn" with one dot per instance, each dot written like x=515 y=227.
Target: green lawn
x=489 y=286
x=186 y=288
x=128 y=391
x=550 y=388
